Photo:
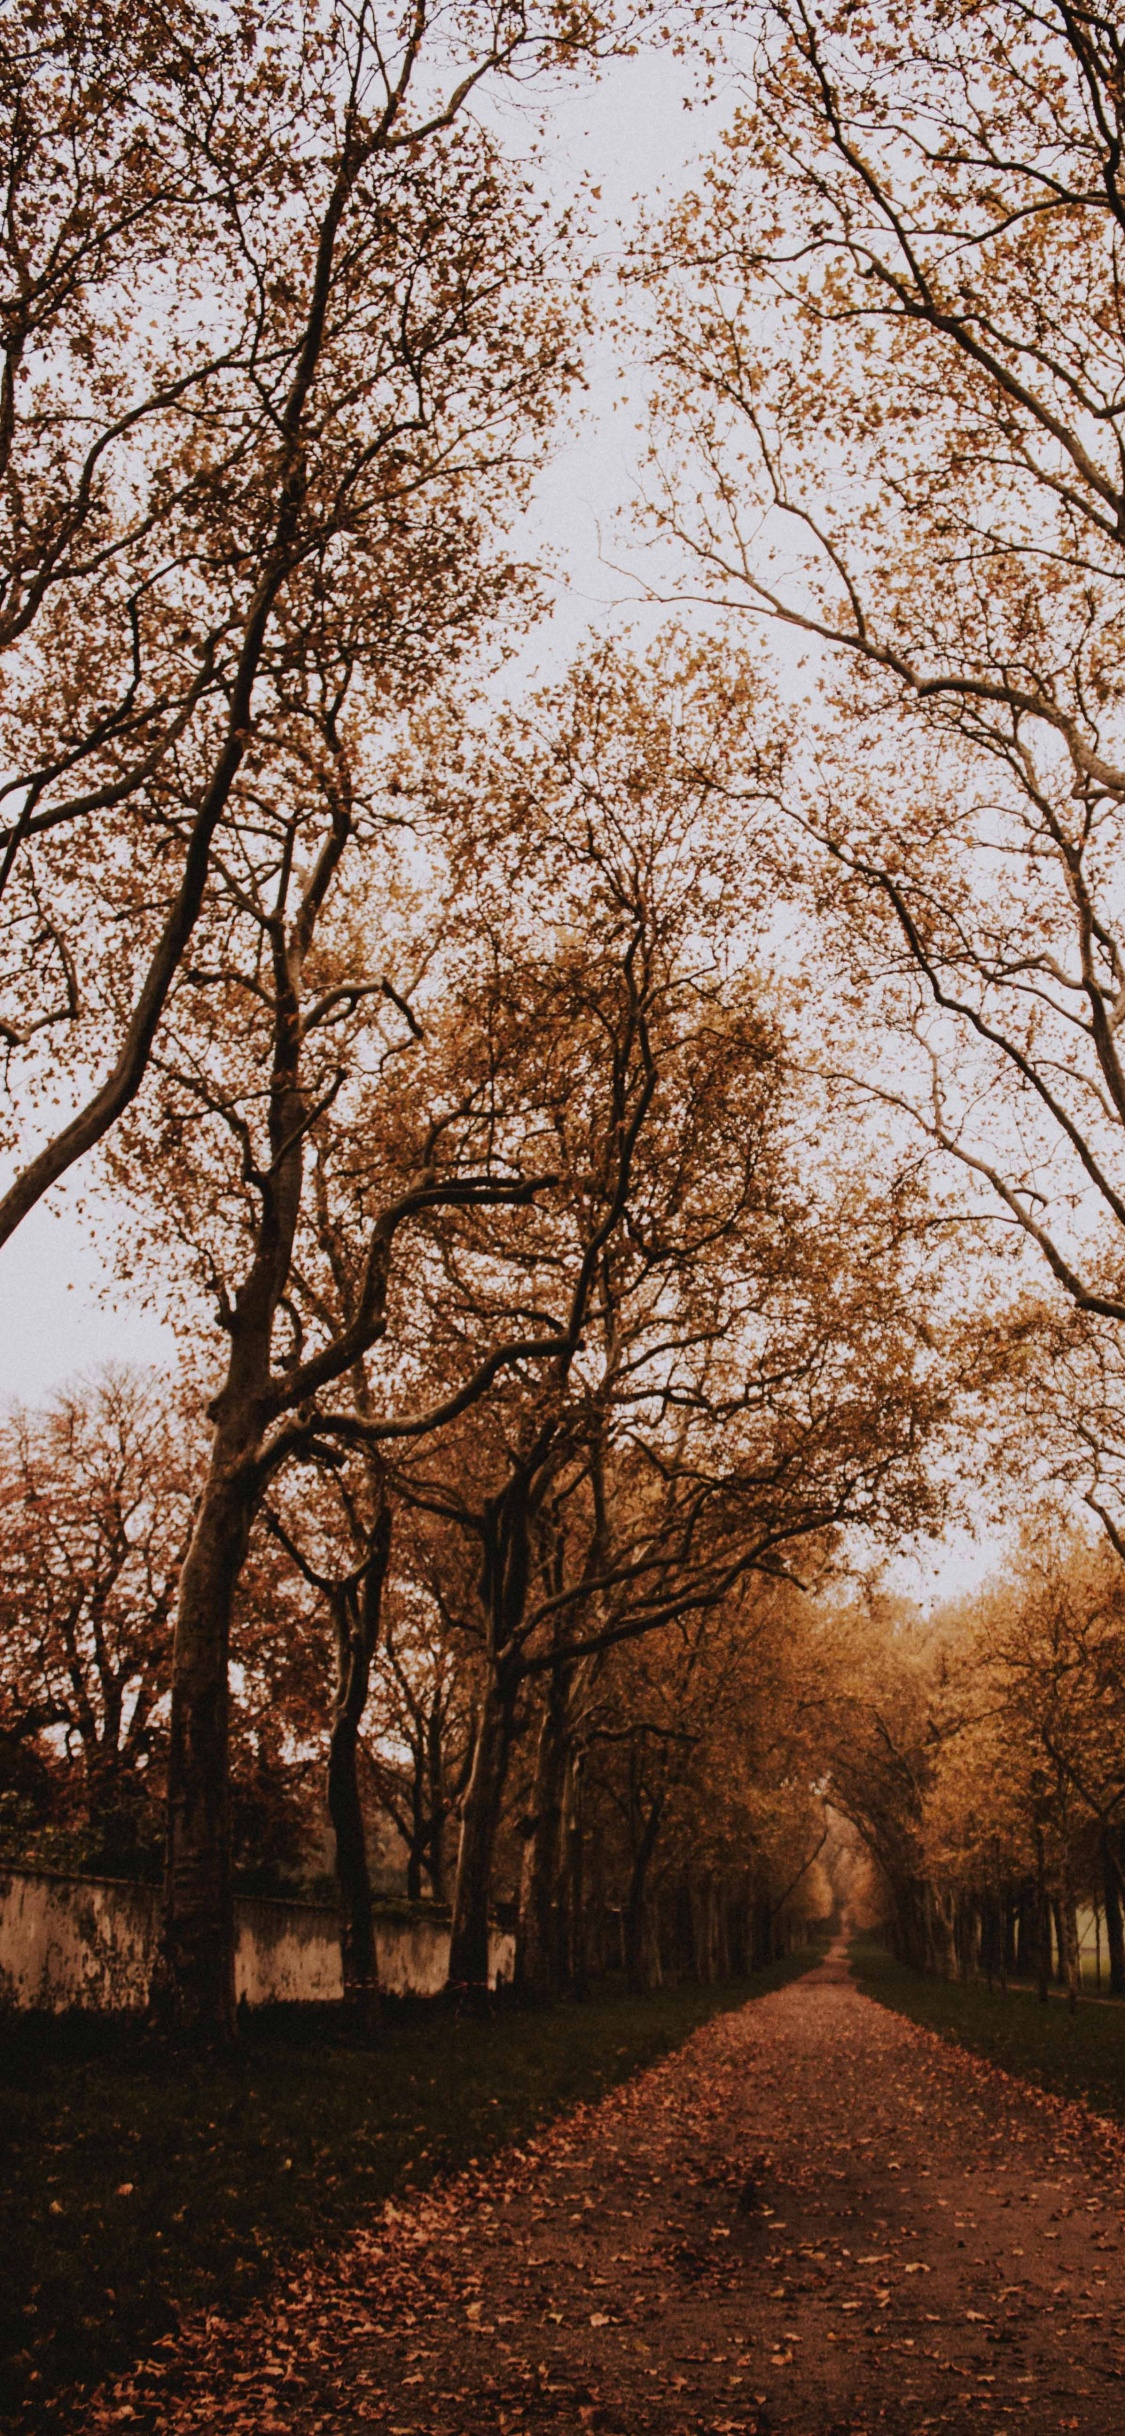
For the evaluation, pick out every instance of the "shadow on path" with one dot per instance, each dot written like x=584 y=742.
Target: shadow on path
x=814 y=2217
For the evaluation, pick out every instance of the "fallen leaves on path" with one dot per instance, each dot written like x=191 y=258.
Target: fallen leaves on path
x=813 y=2217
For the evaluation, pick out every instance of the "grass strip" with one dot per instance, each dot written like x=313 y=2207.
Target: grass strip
x=139 y=2183
x=1078 y=2055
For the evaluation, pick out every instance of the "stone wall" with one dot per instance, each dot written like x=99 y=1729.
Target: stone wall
x=91 y=1944
x=85 y=1942
x=286 y=1953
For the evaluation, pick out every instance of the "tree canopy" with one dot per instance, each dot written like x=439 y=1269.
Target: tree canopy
x=631 y=1155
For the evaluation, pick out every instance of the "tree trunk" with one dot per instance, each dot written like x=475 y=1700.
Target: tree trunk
x=1042 y=1923
x=708 y=1957
x=198 y=1945
x=1008 y=1952
x=1068 y=1924
x=598 y=1941
x=683 y=1931
x=633 y=1939
x=480 y=1817
x=358 y=1633
x=197 y=1958
x=538 y=1940
x=1060 y=1942
x=944 y=1917
x=1025 y=1941
x=575 y=1962
x=1114 y=1923
x=435 y=1767
x=419 y=1828
x=763 y=1932
x=647 y=1946
x=722 y=1935
x=352 y=1874
x=634 y=1924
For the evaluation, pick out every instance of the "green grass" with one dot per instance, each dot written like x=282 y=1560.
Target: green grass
x=233 y=2165
x=1081 y=2055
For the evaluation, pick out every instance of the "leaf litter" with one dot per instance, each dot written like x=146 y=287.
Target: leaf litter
x=619 y=2272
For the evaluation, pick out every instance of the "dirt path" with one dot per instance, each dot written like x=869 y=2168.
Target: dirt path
x=814 y=2217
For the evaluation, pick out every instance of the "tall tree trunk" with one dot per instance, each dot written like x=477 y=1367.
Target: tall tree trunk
x=574 y=1924
x=419 y=1828
x=722 y=1935
x=1114 y=1922
x=1060 y=1942
x=1022 y=1967
x=708 y=1938
x=503 y=1593
x=1008 y=1953
x=683 y=1931
x=480 y=1817
x=762 y=1932
x=634 y=1922
x=948 y=1957
x=435 y=1778
x=600 y=1936
x=198 y=1946
x=930 y=1942
x=538 y=1939
x=358 y=1634
x=196 y=1979
x=1068 y=1918
x=633 y=1941
x=739 y=1914
x=1042 y=1922
x=641 y=1945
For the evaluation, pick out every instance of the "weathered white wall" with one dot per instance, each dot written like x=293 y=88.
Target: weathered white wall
x=92 y=1943
x=286 y=1953
x=75 y=1941
x=413 y=1956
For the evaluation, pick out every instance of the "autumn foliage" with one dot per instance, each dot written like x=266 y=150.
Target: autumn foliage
x=615 y=1149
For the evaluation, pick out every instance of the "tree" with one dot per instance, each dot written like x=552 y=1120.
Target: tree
x=335 y=1527
x=420 y=350
x=420 y=1746
x=422 y=1151
x=699 y=1788
x=979 y=1756
x=891 y=345
x=1031 y=1787
x=258 y=390
x=98 y=1490
x=712 y=1391
x=875 y=1720
x=107 y=192
x=96 y=1512
x=1060 y=1370
x=281 y=1660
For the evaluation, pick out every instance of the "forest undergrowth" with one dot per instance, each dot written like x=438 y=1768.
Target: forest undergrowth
x=138 y=2187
